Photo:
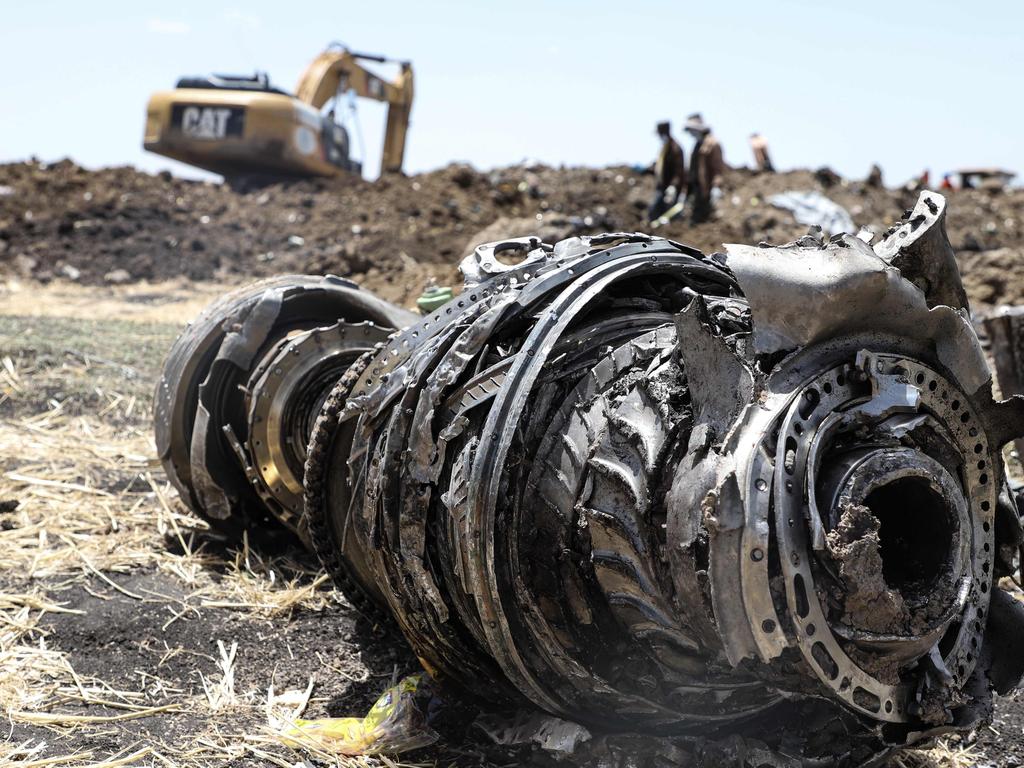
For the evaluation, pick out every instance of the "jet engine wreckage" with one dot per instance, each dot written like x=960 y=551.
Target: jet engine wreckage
x=754 y=495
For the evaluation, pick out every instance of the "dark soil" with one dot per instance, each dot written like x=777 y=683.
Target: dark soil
x=1002 y=743
x=130 y=645
x=127 y=644
x=119 y=224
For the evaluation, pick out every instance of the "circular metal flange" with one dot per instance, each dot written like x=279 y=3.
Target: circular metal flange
x=808 y=411
x=286 y=392
x=979 y=478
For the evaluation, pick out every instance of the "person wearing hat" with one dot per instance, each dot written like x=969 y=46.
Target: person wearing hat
x=669 y=173
x=706 y=168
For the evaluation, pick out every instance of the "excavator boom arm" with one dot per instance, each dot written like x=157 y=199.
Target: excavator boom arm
x=339 y=71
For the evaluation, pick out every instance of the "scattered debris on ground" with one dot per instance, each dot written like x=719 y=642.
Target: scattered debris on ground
x=119 y=225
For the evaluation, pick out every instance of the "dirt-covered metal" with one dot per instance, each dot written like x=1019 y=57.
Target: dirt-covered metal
x=1005 y=330
x=242 y=386
x=756 y=495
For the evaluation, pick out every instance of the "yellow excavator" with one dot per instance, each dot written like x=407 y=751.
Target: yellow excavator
x=243 y=126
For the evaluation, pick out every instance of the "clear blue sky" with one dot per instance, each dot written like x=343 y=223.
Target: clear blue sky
x=908 y=84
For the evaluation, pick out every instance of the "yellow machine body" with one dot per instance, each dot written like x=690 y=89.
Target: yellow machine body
x=235 y=126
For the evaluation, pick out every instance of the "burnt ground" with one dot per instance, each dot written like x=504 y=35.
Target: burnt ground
x=113 y=601
x=129 y=644
x=1002 y=744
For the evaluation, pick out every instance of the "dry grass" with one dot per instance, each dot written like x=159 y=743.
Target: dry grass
x=93 y=508
x=75 y=513
x=90 y=505
x=168 y=301
x=947 y=754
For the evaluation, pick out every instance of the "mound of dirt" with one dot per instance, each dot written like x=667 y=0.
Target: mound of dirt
x=121 y=225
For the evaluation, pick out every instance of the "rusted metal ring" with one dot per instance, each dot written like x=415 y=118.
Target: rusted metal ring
x=809 y=409
x=286 y=391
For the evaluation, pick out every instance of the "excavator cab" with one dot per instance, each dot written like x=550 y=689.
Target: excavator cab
x=337 y=145
x=236 y=125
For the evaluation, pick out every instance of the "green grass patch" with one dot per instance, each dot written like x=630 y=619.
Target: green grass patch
x=81 y=364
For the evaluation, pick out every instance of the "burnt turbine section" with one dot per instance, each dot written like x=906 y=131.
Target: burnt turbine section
x=242 y=386
x=757 y=494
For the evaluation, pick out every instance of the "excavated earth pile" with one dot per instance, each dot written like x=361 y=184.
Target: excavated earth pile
x=751 y=504
x=116 y=225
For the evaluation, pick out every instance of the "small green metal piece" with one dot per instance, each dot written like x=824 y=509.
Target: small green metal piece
x=433 y=297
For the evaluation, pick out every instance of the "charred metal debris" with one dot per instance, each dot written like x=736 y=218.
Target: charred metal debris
x=756 y=495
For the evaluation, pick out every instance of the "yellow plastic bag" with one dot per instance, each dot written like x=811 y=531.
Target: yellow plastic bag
x=398 y=722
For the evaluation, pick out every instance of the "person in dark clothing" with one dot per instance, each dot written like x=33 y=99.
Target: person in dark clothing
x=669 y=173
x=706 y=169
x=874 y=178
